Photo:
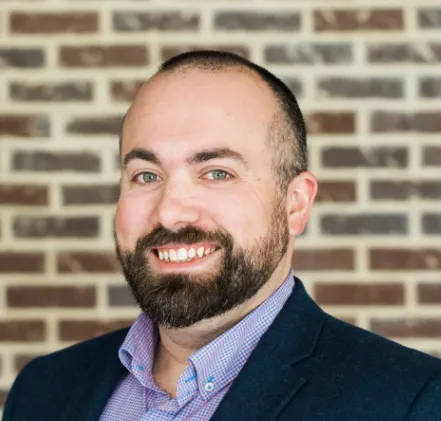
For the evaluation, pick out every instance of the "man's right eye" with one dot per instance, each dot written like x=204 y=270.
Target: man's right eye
x=145 y=178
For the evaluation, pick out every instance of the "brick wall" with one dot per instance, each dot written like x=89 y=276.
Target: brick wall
x=367 y=75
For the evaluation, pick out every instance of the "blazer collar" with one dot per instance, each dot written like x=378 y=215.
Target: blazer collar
x=265 y=384
x=272 y=374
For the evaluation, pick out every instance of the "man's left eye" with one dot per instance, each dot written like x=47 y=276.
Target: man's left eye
x=218 y=175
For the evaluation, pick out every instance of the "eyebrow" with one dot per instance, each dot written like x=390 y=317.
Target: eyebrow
x=199 y=157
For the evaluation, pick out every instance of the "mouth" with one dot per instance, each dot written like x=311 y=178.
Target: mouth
x=184 y=256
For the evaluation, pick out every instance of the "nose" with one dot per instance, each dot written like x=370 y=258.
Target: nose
x=176 y=208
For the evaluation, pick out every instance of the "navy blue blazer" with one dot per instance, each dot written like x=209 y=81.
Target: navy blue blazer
x=308 y=366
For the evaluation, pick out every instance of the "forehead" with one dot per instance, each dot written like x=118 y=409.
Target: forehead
x=196 y=109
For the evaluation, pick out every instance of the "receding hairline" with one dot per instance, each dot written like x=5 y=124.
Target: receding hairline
x=186 y=68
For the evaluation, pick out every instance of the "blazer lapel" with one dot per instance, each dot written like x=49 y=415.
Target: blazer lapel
x=272 y=375
x=94 y=388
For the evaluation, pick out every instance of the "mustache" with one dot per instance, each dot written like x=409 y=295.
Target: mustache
x=186 y=235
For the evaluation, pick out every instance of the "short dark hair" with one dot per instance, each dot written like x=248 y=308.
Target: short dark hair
x=287 y=131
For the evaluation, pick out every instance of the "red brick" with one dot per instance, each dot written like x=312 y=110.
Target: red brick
x=22 y=360
x=323 y=259
x=80 y=330
x=21 y=262
x=429 y=293
x=24 y=194
x=53 y=23
x=408 y=328
x=405 y=259
x=87 y=262
x=359 y=294
x=331 y=122
x=24 y=125
x=336 y=191
x=46 y=296
x=22 y=331
x=350 y=20
x=103 y=56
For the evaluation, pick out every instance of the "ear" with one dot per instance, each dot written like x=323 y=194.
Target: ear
x=300 y=197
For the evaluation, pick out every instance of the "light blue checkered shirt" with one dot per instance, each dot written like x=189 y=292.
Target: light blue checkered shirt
x=203 y=383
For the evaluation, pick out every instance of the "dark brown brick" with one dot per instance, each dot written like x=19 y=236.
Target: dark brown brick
x=172 y=50
x=429 y=293
x=404 y=53
x=359 y=294
x=21 y=262
x=257 y=21
x=56 y=92
x=21 y=360
x=24 y=125
x=405 y=259
x=431 y=223
x=39 y=227
x=331 y=122
x=103 y=56
x=47 y=296
x=125 y=90
x=3 y=397
x=81 y=330
x=432 y=156
x=429 y=18
x=336 y=191
x=90 y=194
x=309 y=53
x=95 y=125
x=120 y=296
x=430 y=87
x=87 y=262
x=52 y=23
x=386 y=157
x=364 y=224
x=407 y=327
x=323 y=259
x=162 y=21
x=405 y=189
x=22 y=331
x=351 y=20
x=24 y=194
x=50 y=161
x=343 y=87
x=21 y=57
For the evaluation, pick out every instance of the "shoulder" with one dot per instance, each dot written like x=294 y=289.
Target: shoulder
x=371 y=362
x=82 y=353
x=45 y=384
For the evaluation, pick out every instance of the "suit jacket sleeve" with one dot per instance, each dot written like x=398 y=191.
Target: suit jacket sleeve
x=427 y=404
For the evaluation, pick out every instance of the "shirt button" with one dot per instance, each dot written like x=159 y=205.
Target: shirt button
x=209 y=387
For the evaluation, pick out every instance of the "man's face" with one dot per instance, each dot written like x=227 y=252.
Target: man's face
x=200 y=226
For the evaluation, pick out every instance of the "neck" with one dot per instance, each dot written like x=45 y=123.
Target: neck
x=176 y=345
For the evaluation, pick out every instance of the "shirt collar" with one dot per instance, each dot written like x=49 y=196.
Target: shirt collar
x=216 y=364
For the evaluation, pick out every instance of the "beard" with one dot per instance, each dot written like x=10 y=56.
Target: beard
x=178 y=300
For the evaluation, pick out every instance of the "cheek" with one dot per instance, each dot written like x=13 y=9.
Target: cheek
x=245 y=220
x=131 y=221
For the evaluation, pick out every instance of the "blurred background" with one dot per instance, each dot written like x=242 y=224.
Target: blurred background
x=367 y=75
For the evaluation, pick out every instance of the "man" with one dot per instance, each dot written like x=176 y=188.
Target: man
x=214 y=190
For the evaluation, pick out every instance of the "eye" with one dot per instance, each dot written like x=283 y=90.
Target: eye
x=145 y=178
x=218 y=175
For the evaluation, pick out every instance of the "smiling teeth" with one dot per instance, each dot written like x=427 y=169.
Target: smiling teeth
x=184 y=255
